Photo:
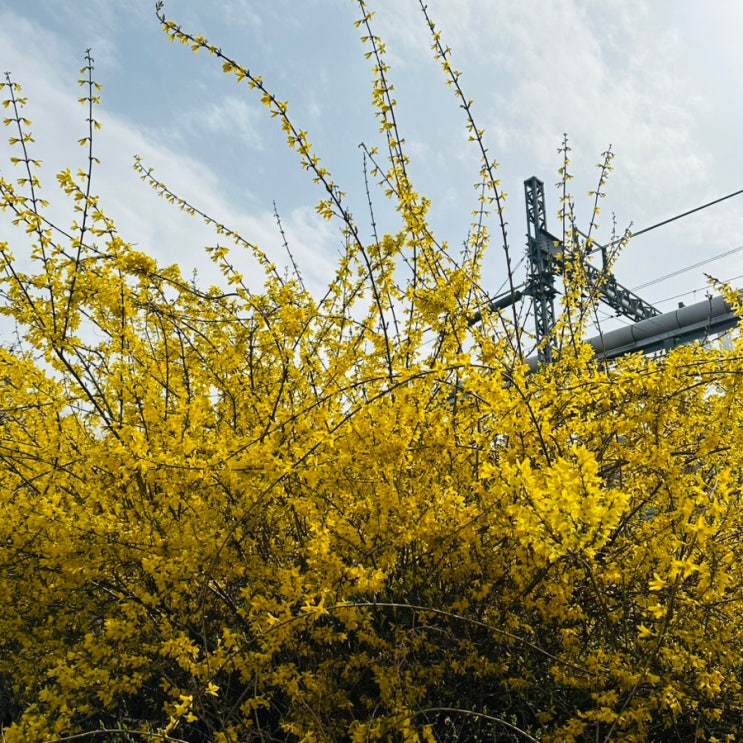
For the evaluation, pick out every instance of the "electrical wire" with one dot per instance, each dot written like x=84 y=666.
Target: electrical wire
x=699 y=289
x=686 y=214
x=688 y=268
x=636 y=233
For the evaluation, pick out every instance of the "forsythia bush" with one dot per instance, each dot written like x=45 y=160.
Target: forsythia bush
x=238 y=516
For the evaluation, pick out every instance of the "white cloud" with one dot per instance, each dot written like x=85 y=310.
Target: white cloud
x=661 y=85
x=606 y=74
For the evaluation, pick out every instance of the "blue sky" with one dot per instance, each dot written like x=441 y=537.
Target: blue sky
x=660 y=81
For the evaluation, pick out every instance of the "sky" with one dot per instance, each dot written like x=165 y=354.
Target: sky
x=660 y=82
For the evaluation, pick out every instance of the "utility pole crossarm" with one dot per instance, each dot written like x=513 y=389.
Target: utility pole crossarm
x=546 y=259
x=499 y=303
x=623 y=301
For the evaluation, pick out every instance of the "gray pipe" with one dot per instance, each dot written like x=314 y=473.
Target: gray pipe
x=683 y=325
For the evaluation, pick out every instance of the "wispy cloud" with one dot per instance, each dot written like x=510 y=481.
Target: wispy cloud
x=231 y=118
x=143 y=218
x=616 y=74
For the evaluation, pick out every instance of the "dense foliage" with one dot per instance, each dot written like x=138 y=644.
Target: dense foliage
x=232 y=515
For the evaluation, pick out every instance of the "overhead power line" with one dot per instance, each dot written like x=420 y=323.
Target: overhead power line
x=698 y=289
x=668 y=221
x=686 y=214
x=688 y=268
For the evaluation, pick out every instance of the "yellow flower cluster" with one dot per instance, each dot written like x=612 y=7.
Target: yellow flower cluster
x=255 y=516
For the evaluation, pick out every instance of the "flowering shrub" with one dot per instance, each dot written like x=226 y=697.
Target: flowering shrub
x=232 y=515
